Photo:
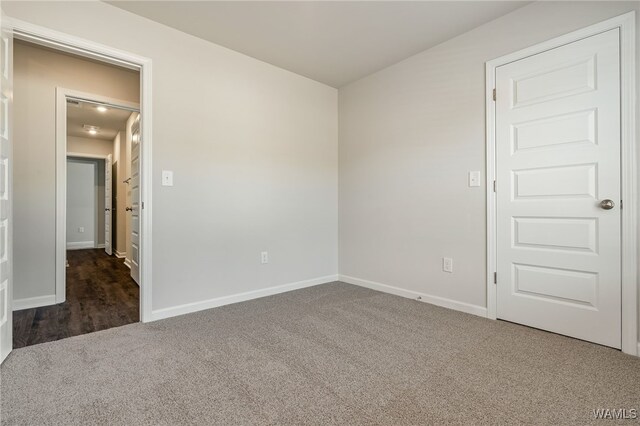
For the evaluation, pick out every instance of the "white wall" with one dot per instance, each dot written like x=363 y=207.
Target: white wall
x=80 y=145
x=37 y=73
x=253 y=149
x=82 y=200
x=409 y=134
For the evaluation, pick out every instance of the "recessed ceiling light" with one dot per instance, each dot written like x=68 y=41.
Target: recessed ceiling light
x=92 y=130
x=101 y=108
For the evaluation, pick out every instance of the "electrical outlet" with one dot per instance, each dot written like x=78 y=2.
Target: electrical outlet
x=447 y=264
x=264 y=256
x=81 y=229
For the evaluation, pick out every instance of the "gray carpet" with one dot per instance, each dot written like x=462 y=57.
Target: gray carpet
x=330 y=354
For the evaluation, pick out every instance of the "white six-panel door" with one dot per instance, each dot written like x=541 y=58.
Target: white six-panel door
x=135 y=199
x=107 y=204
x=558 y=162
x=6 y=99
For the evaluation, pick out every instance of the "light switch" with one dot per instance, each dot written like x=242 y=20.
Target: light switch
x=474 y=178
x=447 y=264
x=167 y=178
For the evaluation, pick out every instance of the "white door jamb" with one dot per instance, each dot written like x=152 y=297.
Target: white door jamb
x=62 y=95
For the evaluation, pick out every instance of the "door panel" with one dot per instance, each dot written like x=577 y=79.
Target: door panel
x=559 y=80
x=555 y=284
x=575 y=128
x=555 y=181
x=556 y=233
x=558 y=157
x=6 y=285
x=107 y=204
x=136 y=140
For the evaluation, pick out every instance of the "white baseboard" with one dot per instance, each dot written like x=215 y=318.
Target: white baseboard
x=127 y=263
x=235 y=298
x=81 y=245
x=434 y=300
x=100 y=246
x=33 y=302
x=120 y=255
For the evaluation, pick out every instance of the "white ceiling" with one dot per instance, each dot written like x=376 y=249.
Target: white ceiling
x=334 y=42
x=110 y=122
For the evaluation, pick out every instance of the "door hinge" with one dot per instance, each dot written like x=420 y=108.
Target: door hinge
x=494 y=186
x=494 y=94
x=495 y=278
x=620 y=204
x=143 y=205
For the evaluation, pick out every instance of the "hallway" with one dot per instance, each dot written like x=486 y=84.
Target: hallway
x=100 y=295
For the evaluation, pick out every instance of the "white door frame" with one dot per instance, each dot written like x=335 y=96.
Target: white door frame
x=62 y=95
x=81 y=155
x=96 y=231
x=88 y=156
x=626 y=24
x=71 y=44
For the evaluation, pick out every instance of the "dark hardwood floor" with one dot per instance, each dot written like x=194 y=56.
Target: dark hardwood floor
x=100 y=294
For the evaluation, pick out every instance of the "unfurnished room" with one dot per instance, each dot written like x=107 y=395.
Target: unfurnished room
x=319 y=212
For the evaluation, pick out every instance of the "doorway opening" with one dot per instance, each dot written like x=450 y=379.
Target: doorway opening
x=96 y=138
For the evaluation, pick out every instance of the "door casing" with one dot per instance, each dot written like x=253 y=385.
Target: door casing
x=629 y=249
x=78 y=46
x=62 y=95
x=102 y=158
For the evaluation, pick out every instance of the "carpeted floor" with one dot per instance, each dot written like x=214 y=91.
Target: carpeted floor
x=330 y=354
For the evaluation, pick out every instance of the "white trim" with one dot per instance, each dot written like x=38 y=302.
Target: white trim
x=468 y=308
x=79 y=46
x=626 y=24
x=62 y=94
x=34 y=302
x=80 y=245
x=119 y=255
x=88 y=156
x=57 y=40
x=6 y=285
x=127 y=263
x=99 y=99
x=100 y=246
x=492 y=265
x=240 y=297
x=146 y=181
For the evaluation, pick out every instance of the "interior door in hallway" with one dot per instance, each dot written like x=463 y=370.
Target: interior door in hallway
x=135 y=199
x=107 y=204
x=558 y=190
